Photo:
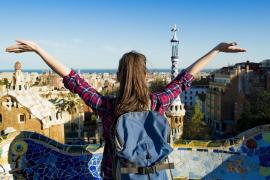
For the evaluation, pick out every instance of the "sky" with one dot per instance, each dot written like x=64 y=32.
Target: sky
x=95 y=34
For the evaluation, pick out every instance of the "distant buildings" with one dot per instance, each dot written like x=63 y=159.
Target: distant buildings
x=31 y=102
x=265 y=63
x=23 y=110
x=228 y=91
x=50 y=79
x=190 y=96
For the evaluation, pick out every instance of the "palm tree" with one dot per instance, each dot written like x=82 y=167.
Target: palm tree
x=73 y=105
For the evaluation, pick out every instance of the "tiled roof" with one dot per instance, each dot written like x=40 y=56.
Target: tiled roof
x=39 y=107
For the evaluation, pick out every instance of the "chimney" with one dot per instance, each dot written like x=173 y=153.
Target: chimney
x=247 y=68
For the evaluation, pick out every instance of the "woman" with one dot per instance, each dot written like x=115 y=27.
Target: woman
x=133 y=94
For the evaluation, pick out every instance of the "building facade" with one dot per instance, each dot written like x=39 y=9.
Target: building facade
x=228 y=92
x=23 y=110
x=190 y=96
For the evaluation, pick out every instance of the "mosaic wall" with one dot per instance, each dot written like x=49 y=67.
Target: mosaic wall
x=246 y=156
x=29 y=155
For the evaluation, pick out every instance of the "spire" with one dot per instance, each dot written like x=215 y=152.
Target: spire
x=174 y=57
x=18 y=66
x=18 y=82
x=176 y=112
x=174 y=30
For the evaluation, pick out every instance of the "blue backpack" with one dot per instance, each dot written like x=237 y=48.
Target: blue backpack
x=141 y=147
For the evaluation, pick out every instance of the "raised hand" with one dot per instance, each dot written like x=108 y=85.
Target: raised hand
x=29 y=46
x=229 y=48
x=222 y=47
x=23 y=46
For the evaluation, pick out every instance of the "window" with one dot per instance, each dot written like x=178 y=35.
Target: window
x=190 y=97
x=20 y=87
x=58 y=115
x=217 y=126
x=1 y=119
x=8 y=103
x=21 y=118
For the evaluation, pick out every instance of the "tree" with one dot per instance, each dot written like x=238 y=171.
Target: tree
x=4 y=81
x=157 y=85
x=256 y=111
x=72 y=104
x=196 y=129
x=109 y=91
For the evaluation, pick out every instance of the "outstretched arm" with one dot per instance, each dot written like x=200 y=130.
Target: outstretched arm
x=222 y=47
x=183 y=81
x=72 y=80
x=29 y=46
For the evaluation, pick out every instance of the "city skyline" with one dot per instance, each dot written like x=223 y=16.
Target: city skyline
x=95 y=34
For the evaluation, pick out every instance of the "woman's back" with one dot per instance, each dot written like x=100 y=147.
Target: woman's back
x=104 y=106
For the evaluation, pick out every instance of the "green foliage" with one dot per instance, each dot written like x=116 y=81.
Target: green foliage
x=182 y=142
x=200 y=82
x=195 y=129
x=71 y=103
x=157 y=85
x=107 y=92
x=4 y=81
x=93 y=117
x=207 y=143
x=256 y=111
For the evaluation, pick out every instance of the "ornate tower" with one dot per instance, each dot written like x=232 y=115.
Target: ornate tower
x=174 y=57
x=176 y=113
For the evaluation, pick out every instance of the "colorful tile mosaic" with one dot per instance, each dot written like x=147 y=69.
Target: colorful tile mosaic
x=248 y=157
x=28 y=155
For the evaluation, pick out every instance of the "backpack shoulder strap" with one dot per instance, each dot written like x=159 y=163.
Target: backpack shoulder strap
x=149 y=108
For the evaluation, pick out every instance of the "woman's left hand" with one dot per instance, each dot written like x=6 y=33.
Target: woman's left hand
x=229 y=48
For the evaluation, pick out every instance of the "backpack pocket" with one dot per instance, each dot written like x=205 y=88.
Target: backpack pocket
x=144 y=154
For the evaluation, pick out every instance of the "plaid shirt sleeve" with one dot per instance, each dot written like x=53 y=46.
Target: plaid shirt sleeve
x=161 y=101
x=90 y=96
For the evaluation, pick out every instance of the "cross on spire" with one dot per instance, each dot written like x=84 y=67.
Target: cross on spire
x=174 y=30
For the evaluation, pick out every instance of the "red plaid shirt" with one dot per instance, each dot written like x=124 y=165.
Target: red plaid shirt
x=103 y=105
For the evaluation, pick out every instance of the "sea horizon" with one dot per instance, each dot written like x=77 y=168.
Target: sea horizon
x=40 y=71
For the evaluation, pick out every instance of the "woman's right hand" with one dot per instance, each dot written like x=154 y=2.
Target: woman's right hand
x=29 y=46
x=23 y=46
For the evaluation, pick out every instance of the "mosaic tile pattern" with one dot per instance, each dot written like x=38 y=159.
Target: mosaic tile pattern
x=28 y=155
x=34 y=156
x=247 y=159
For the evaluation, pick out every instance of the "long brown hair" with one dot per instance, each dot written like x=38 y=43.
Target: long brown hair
x=133 y=93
